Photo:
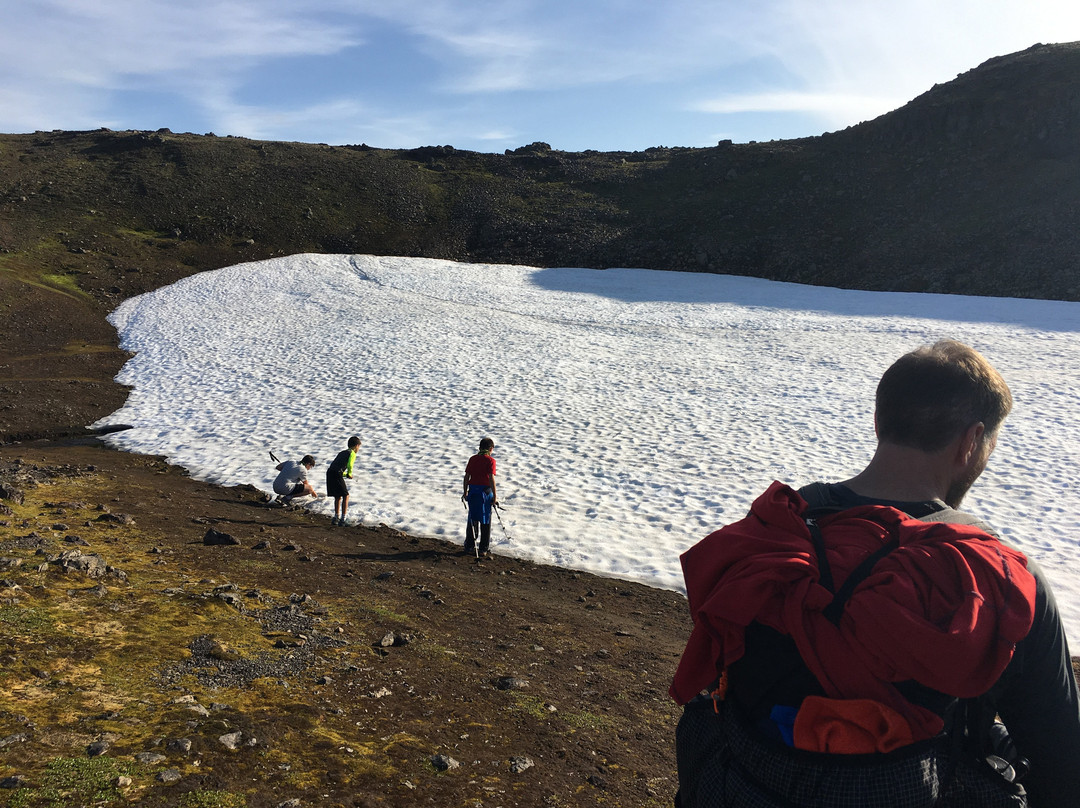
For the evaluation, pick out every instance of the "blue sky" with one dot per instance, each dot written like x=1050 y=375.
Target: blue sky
x=487 y=75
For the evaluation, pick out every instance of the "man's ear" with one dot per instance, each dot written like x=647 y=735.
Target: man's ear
x=970 y=442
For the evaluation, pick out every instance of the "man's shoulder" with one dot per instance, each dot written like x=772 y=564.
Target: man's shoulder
x=837 y=497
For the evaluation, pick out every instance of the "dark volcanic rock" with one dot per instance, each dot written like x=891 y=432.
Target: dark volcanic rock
x=215 y=538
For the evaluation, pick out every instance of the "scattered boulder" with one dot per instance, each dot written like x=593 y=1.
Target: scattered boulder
x=18 y=737
x=444 y=763
x=222 y=652
x=511 y=683
x=520 y=764
x=14 y=781
x=231 y=740
x=116 y=518
x=149 y=758
x=97 y=748
x=90 y=564
x=179 y=745
x=168 y=777
x=215 y=538
x=231 y=598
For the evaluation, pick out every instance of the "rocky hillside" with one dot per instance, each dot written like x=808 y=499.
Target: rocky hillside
x=969 y=188
x=973 y=188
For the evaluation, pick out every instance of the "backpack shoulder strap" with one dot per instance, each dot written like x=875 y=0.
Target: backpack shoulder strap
x=820 y=498
x=823 y=502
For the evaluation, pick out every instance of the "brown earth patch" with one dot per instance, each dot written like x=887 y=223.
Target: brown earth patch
x=348 y=659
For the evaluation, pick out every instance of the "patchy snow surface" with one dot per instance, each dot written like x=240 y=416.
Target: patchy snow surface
x=633 y=411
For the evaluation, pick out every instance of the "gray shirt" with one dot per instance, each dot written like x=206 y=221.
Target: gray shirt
x=292 y=472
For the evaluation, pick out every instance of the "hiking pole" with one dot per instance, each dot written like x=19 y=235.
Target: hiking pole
x=270 y=497
x=470 y=534
x=498 y=516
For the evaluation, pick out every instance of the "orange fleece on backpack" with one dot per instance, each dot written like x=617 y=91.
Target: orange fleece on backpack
x=849 y=727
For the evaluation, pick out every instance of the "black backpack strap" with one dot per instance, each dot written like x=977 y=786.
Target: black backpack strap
x=822 y=503
x=819 y=498
x=835 y=608
x=824 y=568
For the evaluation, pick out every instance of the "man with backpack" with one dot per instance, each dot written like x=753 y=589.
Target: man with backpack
x=866 y=643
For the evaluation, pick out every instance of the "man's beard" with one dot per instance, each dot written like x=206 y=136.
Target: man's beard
x=959 y=488
x=955 y=495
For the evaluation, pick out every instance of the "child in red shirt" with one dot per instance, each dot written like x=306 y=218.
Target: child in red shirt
x=479 y=493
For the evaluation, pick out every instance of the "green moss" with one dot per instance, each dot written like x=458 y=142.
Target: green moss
x=64 y=283
x=127 y=232
x=25 y=619
x=212 y=799
x=536 y=707
x=531 y=705
x=383 y=612
x=75 y=781
x=586 y=720
x=29 y=268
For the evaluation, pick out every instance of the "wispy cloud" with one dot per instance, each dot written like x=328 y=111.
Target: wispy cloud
x=338 y=121
x=102 y=44
x=502 y=45
x=848 y=61
x=59 y=50
x=212 y=64
x=818 y=103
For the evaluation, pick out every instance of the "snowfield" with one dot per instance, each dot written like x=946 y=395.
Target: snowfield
x=633 y=411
